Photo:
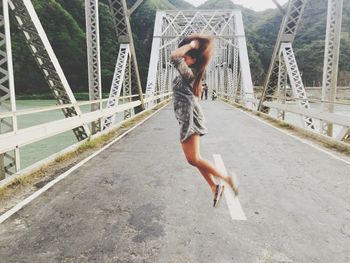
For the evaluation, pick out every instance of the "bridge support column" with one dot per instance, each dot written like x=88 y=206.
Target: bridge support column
x=296 y=82
x=246 y=78
x=9 y=161
x=282 y=86
x=94 y=61
x=331 y=60
x=2 y=167
x=154 y=59
x=127 y=89
x=117 y=83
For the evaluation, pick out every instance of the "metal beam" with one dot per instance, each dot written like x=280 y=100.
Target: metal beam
x=283 y=11
x=118 y=80
x=286 y=34
x=282 y=86
x=9 y=161
x=337 y=119
x=296 y=82
x=25 y=136
x=135 y=6
x=153 y=64
x=331 y=59
x=246 y=78
x=94 y=60
x=123 y=29
x=127 y=89
x=41 y=50
x=230 y=58
x=36 y=133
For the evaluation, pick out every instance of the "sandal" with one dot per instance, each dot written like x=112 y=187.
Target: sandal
x=218 y=193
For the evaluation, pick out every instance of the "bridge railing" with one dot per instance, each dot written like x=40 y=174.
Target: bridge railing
x=283 y=106
x=35 y=133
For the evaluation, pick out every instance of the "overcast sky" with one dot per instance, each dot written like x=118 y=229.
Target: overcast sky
x=257 y=5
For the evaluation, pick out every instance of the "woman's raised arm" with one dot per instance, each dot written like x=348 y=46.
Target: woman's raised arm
x=181 y=51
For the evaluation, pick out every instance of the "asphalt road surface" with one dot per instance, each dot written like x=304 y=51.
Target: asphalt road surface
x=139 y=201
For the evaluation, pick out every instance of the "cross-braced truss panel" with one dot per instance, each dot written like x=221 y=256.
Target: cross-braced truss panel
x=118 y=81
x=225 y=26
x=287 y=33
x=296 y=81
x=36 y=39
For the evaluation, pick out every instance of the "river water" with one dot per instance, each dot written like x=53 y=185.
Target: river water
x=37 y=151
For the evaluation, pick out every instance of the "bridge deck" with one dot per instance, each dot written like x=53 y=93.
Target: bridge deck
x=139 y=200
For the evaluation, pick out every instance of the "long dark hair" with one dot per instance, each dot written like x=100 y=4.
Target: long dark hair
x=202 y=56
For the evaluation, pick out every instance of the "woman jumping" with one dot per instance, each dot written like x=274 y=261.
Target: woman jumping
x=191 y=59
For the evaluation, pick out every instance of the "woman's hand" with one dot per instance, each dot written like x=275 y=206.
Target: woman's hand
x=181 y=51
x=194 y=44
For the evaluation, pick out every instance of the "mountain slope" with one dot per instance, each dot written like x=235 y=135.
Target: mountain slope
x=181 y=4
x=217 y=4
x=67 y=40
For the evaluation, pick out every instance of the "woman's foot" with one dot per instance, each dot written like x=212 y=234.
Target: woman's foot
x=232 y=184
x=218 y=193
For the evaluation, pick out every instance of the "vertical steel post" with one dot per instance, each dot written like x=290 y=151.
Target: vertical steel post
x=331 y=59
x=153 y=64
x=127 y=89
x=93 y=54
x=246 y=77
x=9 y=161
x=235 y=70
x=282 y=85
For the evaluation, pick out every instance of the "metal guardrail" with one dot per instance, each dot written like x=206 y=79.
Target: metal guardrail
x=25 y=136
x=333 y=118
x=311 y=100
x=341 y=120
x=57 y=107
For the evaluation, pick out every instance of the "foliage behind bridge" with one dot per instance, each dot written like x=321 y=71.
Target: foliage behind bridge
x=64 y=23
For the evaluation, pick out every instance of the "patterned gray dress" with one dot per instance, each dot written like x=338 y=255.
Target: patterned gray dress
x=188 y=112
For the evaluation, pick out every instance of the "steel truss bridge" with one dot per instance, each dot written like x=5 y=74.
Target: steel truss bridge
x=294 y=194
x=229 y=72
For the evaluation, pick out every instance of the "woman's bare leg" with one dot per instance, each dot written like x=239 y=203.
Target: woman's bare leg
x=191 y=148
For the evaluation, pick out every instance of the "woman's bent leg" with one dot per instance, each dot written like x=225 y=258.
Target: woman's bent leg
x=191 y=148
